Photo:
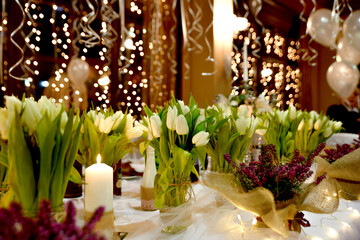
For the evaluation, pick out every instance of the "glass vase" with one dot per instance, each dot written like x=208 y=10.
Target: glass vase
x=176 y=214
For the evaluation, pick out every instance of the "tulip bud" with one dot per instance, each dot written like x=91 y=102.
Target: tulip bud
x=327 y=132
x=170 y=118
x=317 y=124
x=301 y=125
x=133 y=133
x=200 y=139
x=155 y=123
x=241 y=125
x=181 y=125
x=4 y=127
x=243 y=110
x=31 y=115
x=185 y=109
x=105 y=125
x=292 y=112
x=337 y=125
x=129 y=122
x=200 y=119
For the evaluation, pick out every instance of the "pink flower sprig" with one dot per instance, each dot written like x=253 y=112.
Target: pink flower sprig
x=282 y=179
x=341 y=150
x=15 y=225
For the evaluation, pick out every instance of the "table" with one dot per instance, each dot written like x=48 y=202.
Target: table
x=211 y=222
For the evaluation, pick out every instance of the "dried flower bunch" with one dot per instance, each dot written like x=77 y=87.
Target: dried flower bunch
x=341 y=150
x=15 y=225
x=283 y=179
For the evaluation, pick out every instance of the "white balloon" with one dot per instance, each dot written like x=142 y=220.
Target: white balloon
x=322 y=27
x=347 y=52
x=343 y=78
x=351 y=29
x=78 y=70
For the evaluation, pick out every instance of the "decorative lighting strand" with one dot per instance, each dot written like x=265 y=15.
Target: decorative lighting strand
x=76 y=26
x=18 y=63
x=26 y=67
x=210 y=56
x=3 y=2
x=125 y=63
x=257 y=40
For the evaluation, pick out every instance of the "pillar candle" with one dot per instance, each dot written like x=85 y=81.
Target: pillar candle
x=246 y=74
x=98 y=186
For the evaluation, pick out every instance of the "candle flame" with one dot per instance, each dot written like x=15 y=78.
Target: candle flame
x=98 y=158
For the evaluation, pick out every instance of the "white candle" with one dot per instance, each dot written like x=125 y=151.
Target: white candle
x=246 y=74
x=98 y=186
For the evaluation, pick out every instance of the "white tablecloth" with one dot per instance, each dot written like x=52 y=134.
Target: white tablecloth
x=226 y=222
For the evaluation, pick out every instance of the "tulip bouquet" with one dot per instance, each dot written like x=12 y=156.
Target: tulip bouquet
x=279 y=128
x=42 y=142
x=177 y=133
x=107 y=133
x=314 y=129
x=229 y=133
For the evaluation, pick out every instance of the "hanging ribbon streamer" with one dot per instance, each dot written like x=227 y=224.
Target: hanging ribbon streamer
x=256 y=6
x=155 y=39
x=84 y=32
x=3 y=5
x=173 y=67
x=109 y=35
x=88 y=36
x=302 y=51
x=123 y=61
x=210 y=56
x=195 y=27
x=185 y=38
x=17 y=45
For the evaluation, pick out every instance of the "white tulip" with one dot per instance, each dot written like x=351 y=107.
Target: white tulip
x=336 y=125
x=200 y=139
x=129 y=122
x=254 y=122
x=64 y=120
x=134 y=132
x=301 y=125
x=117 y=118
x=97 y=119
x=282 y=116
x=155 y=123
x=181 y=125
x=261 y=132
x=44 y=104
x=317 y=124
x=4 y=126
x=105 y=125
x=185 y=109
x=13 y=104
x=170 y=118
x=31 y=115
x=311 y=124
x=241 y=125
x=328 y=131
x=200 y=119
x=92 y=115
x=243 y=110
x=292 y=111
x=314 y=114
